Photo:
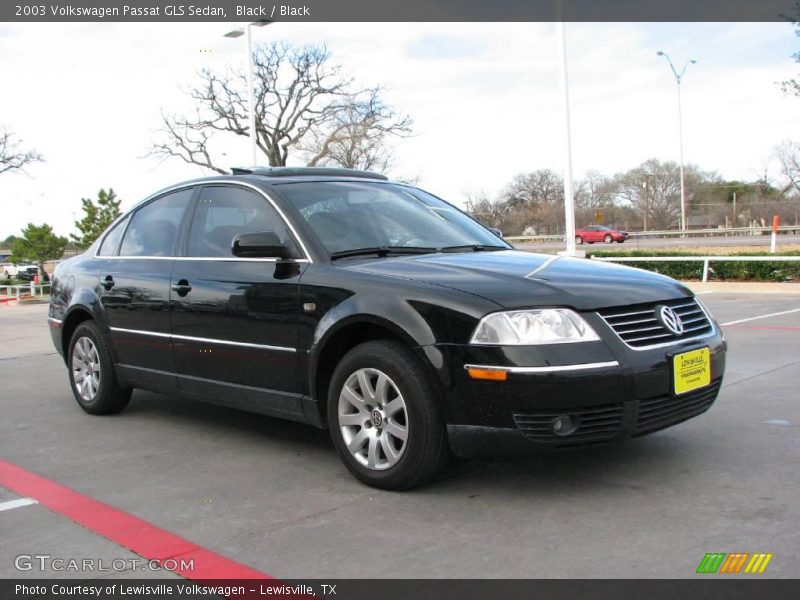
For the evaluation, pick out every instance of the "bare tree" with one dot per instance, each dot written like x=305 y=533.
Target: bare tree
x=595 y=190
x=356 y=134
x=792 y=86
x=490 y=213
x=542 y=187
x=660 y=197
x=296 y=89
x=788 y=155
x=12 y=158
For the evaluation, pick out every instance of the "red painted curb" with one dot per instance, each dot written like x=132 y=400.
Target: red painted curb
x=135 y=534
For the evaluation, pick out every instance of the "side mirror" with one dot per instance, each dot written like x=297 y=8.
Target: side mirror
x=497 y=232
x=261 y=244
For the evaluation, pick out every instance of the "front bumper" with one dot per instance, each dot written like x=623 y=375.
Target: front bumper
x=611 y=391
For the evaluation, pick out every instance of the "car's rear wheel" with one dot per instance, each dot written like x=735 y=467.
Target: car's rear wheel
x=91 y=372
x=578 y=240
x=384 y=418
x=608 y=239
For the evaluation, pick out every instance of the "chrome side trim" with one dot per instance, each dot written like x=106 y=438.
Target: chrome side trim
x=214 y=182
x=550 y=369
x=210 y=258
x=190 y=338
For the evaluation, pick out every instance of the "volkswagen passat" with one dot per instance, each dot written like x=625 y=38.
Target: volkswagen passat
x=382 y=313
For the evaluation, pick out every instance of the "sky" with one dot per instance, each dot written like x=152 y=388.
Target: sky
x=484 y=97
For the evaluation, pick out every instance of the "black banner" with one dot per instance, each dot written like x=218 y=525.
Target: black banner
x=405 y=10
x=712 y=588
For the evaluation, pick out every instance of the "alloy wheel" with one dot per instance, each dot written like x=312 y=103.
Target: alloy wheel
x=373 y=419
x=86 y=368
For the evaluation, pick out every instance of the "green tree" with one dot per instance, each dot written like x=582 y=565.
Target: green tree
x=97 y=217
x=38 y=244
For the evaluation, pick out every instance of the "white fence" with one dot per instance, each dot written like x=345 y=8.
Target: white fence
x=706 y=260
x=32 y=290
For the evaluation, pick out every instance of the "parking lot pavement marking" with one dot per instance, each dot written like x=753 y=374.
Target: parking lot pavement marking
x=775 y=314
x=137 y=535
x=767 y=327
x=19 y=502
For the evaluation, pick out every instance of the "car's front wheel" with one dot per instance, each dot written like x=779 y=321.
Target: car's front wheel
x=384 y=418
x=91 y=372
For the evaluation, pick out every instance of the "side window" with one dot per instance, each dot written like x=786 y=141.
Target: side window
x=223 y=212
x=111 y=241
x=154 y=227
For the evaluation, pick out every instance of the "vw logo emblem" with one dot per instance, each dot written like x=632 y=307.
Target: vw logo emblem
x=376 y=417
x=671 y=320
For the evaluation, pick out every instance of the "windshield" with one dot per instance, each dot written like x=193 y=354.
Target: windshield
x=354 y=215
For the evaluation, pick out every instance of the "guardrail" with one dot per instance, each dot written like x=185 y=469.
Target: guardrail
x=667 y=233
x=23 y=291
x=706 y=260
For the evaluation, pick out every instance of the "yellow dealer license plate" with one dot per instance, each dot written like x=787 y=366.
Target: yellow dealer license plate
x=691 y=370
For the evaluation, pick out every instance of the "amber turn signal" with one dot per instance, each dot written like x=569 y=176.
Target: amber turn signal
x=490 y=374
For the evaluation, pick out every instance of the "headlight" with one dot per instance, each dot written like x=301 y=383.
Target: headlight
x=529 y=327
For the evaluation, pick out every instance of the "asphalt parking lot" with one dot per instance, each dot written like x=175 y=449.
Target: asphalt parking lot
x=273 y=495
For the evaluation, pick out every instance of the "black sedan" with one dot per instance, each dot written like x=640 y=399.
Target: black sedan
x=376 y=310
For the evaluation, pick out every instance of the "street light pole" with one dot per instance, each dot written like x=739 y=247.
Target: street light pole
x=569 y=198
x=251 y=98
x=678 y=80
x=251 y=95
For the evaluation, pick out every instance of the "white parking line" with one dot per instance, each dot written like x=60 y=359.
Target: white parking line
x=775 y=314
x=16 y=503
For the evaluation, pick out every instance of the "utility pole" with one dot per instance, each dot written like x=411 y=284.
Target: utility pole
x=734 y=209
x=644 y=187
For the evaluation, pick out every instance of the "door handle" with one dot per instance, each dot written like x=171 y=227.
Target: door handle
x=108 y=282
x=182 y=287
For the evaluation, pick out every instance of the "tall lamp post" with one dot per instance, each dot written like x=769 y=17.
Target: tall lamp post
x=678 y=80
x=569 y=197
x=251 y=96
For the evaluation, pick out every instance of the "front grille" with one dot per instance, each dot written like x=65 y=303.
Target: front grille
x=664 y=411
x=595 y=424
x=640 y=327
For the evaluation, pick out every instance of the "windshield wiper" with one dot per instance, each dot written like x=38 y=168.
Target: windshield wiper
x=473 y=248
x=381 y=251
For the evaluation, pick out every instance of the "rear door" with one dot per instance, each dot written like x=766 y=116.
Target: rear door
x=235 y=320
x=134 y=288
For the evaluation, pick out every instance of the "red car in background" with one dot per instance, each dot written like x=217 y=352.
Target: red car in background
x=599 y=233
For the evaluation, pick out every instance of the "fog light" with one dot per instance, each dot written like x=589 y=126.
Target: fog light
x=565 y=425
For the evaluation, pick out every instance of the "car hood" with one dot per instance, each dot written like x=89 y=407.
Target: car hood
x=515 y=279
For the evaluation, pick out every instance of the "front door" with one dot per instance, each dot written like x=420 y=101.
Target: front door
x=235 y=320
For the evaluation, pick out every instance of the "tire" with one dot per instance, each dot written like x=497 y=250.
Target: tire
x=408 y=404
x=91 y=372
x=608 y=239
x=619 y=241
x=578 y=240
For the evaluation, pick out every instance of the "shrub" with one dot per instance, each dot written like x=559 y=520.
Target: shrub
x=720 y=270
